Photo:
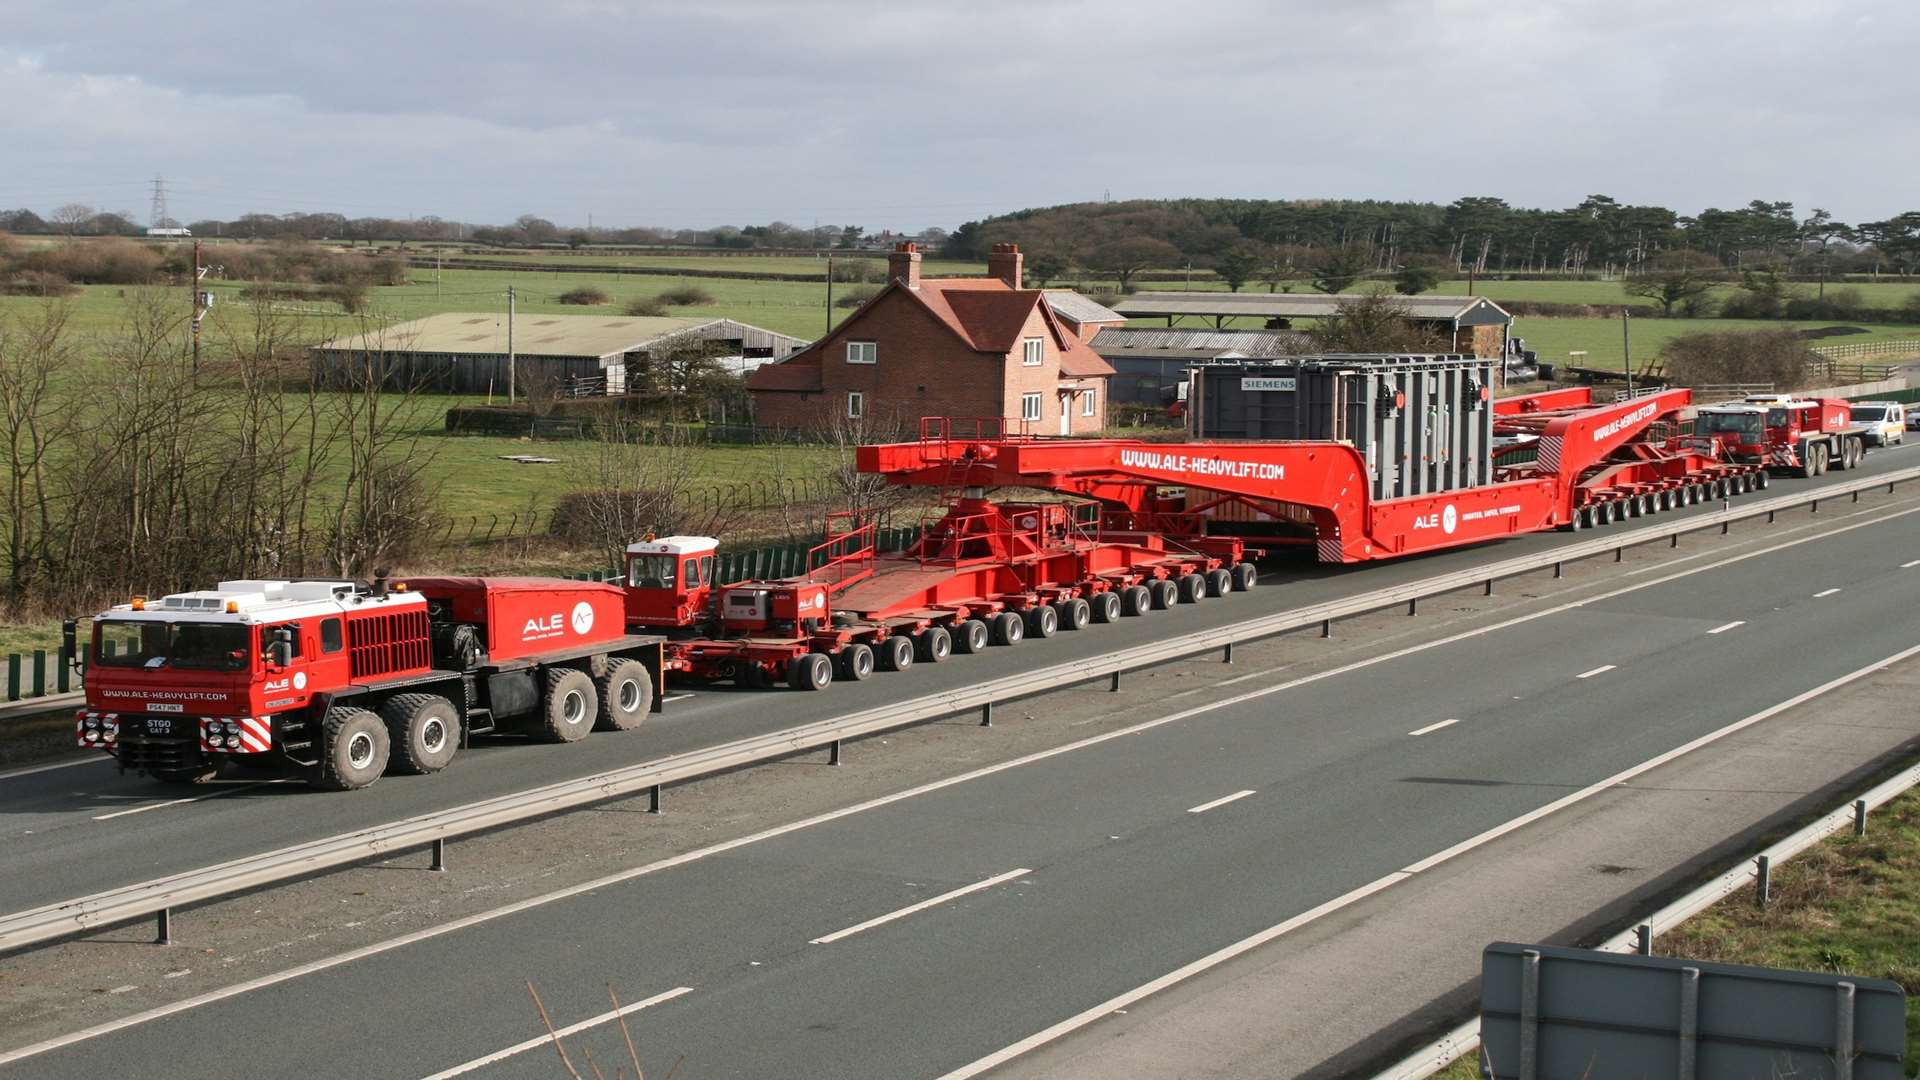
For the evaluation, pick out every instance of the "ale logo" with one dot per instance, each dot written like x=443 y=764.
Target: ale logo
x=299 y=680
x=582 y=617
x=1449 y=519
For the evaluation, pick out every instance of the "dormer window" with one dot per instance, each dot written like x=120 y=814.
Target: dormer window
x=863 y=352
x=1032 y=352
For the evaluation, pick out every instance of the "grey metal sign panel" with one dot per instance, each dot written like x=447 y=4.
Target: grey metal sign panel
x=1548 y=1013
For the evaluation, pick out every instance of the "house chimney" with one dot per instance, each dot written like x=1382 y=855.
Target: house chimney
x=903 y=264
x=1004 y=263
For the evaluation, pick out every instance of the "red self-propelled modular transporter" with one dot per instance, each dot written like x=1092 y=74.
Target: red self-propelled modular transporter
x=338 y=683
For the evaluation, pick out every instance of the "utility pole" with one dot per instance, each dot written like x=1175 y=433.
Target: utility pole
x=510 y=360
x=437 y=256
x=1626 y=348
x=829 y=293
x=202 y=302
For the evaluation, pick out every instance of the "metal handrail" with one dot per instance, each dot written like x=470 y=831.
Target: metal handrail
x=127 y=903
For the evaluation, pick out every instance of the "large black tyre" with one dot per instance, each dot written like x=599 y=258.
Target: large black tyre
x=626 y=695
x=1008 y=628
x=423 y=733
x=353 y=749
x=1042 y=621
x=856 y=662
x=1106 y=606
x=568 y=707
x=895 y=653
x=1165 y=594
x=198 y=774
x=971 y=635
x=1219 y=582
x=1075 y=614
x=933 y=645
x=1761 y=479
x=1192 y=588
x=1136 y=600
x=1244 y=576
x=812 y=671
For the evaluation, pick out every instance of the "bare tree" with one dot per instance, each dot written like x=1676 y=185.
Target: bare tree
x=638 y=481
x=1678 y=279
x=36 y=421
x=378 y=511
x=72 y=216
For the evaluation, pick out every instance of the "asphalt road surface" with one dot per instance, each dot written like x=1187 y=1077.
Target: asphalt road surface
x=937 y=926
x=76 y=829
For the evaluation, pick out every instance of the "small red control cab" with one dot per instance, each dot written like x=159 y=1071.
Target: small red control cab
x=669 y=580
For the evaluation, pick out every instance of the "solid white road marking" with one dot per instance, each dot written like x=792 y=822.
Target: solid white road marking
x=1601 y=670
x=190 y=799
x=570 y=1029
x=1728 y=626
x=1910 y=565
x=31 y=769
x=1215 y=959
x=1433 y=727
x=1825 y=592
x=326 y=963
x=921 y=906
x=1221 y=801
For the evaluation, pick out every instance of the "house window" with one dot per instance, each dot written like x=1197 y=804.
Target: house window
x=1032 y=353
x=856 y=404
x=863 y=352
x=1086 y=403
x=1029 y=406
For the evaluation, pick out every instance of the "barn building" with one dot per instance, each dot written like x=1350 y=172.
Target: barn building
x=1151 y=363
x=466 y=352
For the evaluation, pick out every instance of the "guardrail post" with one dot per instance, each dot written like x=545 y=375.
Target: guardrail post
x=1856 y=496
x=1620 y=553
x=1643 y=939
x=833 y=753
x=1114 y=686
x=1763 y=881
x=1816 y=506
x=986 y=709
x=653 y=799
x=1326 y=628
x=1770 y=514
x=439 y=855
x=163 y=927
x=1413 y=606
x=39 y=673
x=1559 y=569
x=1859 y=817
x=1676 y=540
x=1226 y=654
x=1726 y=527
x=13 y=676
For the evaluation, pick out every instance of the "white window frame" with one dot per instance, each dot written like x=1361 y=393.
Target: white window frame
x=1033 y=352
x=1030 y=406
x=1086 y=403
x=856 y=404
x=863 y=352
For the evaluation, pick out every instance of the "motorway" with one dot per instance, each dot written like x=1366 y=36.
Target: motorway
x=79 y=828
x=926 y=930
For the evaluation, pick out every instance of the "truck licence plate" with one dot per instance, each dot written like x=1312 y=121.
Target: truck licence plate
x=163 y=706
x=159 y=725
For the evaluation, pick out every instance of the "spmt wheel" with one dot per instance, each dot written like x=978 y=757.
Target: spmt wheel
x=933 y=645
x=896 y=653
x=1075 y=614
x=810 y=671
x=1165 y=594
x=1135 y=600
x=1219 y=581
x=1008 y=628
x=856 y=662
x=971 y=635
x=1042 y=621
x=1244 y=576
x=1192 y=588
x=1106 y=606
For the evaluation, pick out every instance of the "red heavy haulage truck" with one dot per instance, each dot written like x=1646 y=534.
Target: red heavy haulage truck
x=1801 y=436
x=338 y=682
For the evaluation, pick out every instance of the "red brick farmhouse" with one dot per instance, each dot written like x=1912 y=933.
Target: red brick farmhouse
x=962 y=347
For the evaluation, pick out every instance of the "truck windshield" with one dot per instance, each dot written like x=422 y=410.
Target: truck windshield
x=1719 y=423
x=1776 y=418
x=146 y=644
x=650 y=571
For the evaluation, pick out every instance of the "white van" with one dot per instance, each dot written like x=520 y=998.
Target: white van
x=1885 y=421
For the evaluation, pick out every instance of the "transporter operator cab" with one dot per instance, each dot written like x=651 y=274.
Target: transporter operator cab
x=669 y=580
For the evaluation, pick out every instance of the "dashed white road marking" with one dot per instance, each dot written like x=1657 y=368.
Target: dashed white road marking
x=1221 y=801
x=189 y=799
x=1728 y=626
x=570 y=1029
x=31 y=769
x=1824 y=592
x=1910 y=565
x=921 y=906
x=1434 y=727
x=1601 y=670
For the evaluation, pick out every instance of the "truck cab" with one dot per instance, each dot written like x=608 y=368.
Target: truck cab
x=1782 y=431
x=669 y=581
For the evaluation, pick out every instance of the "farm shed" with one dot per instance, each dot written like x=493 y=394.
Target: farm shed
x=1151 y=363
x=1474 y=324
x=465 y=352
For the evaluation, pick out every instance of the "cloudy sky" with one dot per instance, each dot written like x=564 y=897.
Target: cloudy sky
x=901 y=113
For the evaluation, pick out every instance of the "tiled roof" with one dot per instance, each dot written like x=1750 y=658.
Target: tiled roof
x=801 y=372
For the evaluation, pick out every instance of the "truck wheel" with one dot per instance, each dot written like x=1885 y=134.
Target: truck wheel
x=423 y=732
x=626 y=696
x=971 y=635
x=1244 y=576
x=812 y=671
x=749 y=676
x=1844 y=460
x=1219 y=582
x=569 y=705
x=1106 y=606
x=1042 y=621
x=1192 y=588
x=933 y=645
x=353 y=749
x=1761 y=480
x=198 y=774
x=1075 y=614
x=856 y=662
x=896 y=653
x=1135 y=600
x=1165 y=594
x=1008 y=628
